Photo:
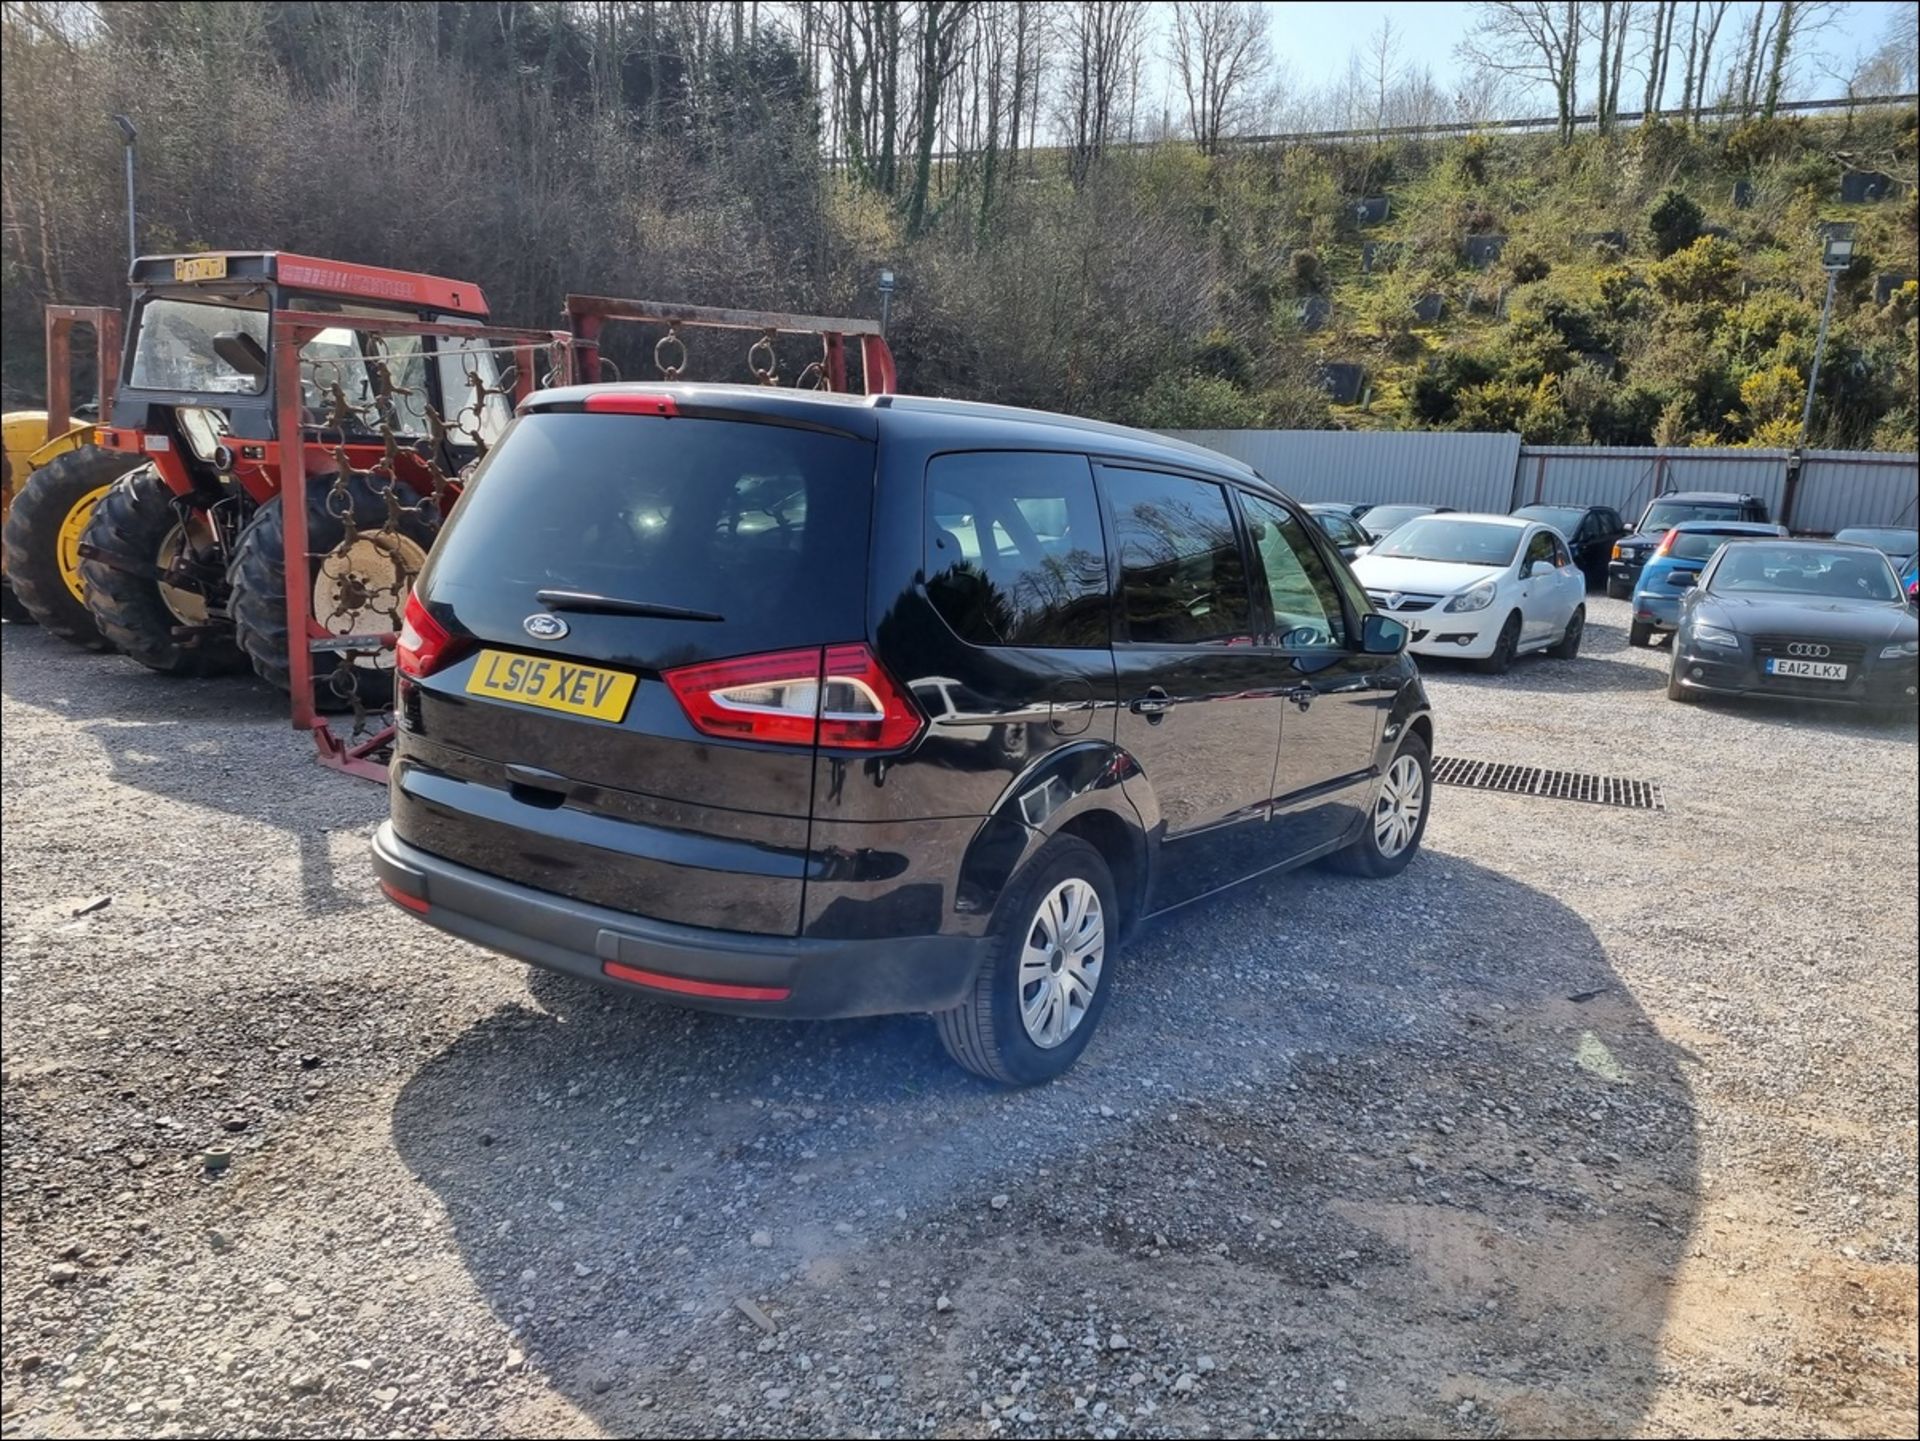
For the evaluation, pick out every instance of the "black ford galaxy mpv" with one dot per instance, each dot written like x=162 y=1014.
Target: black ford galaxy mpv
x=812 y=705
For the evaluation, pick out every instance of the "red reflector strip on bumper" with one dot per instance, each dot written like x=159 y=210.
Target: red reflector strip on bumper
x=717 y=990
x=401 y=898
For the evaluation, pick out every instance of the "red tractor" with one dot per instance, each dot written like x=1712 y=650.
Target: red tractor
x=183 y=560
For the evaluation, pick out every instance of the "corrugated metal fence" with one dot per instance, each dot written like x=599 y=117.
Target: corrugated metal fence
x=1834 y=488
x=1463 y=470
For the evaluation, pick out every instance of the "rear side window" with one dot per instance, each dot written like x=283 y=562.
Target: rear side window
x=1306 y=603
x=764 y=525
x=1182 y=578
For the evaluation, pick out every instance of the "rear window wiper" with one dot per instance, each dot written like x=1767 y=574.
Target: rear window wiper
x=581 y=600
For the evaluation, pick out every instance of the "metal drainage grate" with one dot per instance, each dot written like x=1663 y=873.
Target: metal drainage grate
x=1555 y=785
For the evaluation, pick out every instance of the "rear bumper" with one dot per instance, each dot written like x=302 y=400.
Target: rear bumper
x=1661 y=612
x=730 y=971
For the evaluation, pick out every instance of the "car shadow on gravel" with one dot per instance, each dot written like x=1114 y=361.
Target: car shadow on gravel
x=1415 y=1137
x=224 y=743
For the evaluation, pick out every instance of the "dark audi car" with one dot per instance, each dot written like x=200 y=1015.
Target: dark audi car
x=795 y=704
x=1806 y=619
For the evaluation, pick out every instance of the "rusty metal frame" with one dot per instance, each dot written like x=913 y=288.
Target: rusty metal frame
x=291 y=329
x=586 y=315
x=61 y=319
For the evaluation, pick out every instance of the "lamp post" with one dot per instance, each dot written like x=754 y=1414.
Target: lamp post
x=886 y=298
x=128 y=135
x=1836 y=256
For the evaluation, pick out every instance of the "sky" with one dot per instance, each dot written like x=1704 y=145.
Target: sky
x=1313 y=40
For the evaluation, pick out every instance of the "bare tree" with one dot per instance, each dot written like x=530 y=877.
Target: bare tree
x=1219 y=55
x=1536 y=41
x=1659 y=51
x=940 y=28
x=1614 y=18
x=1383 y=70
x=1794 y=21
x=1700 y=42
x=1102 y=44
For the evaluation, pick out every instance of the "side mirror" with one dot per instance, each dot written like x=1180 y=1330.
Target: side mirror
x=1532 y=568
x=1382 y=635
x=1360 y=550
x=1686 y=579
x=241 y=352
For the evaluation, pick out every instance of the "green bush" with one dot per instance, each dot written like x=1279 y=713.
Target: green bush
x=1675 y=223
x=1309 y=275
x=1197 y=402
x=1707 y=271
x=1435 y=400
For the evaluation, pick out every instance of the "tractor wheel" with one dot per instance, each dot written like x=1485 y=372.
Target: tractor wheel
x=10 y=607
x=136 y=526
x=359 y=591
x=44 y=526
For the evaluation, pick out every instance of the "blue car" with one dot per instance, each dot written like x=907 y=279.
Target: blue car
x=1674 y=569
x=1910 y=581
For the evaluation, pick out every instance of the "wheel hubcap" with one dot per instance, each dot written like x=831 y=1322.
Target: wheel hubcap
x=1396 y=815
x=363 y=588
x=67 y=542
x=186 y=606
x=1060 y=964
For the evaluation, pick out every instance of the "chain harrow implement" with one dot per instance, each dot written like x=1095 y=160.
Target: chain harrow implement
x=371 y=569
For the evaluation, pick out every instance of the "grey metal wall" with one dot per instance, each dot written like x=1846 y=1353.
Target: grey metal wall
x=1627 y=477
x=1468 y=471
x=1839 y=488
x=1463 y=470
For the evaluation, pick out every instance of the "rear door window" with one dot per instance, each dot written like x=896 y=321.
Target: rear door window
x=763 y=525
x=1183 y=579
x=1014 y=550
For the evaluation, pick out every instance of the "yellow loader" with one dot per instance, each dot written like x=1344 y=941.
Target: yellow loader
x=54 y=474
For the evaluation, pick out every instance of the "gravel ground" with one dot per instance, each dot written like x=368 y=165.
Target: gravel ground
x=1593 y=1122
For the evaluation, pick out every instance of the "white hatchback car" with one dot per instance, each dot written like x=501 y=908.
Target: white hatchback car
x=1481 y=587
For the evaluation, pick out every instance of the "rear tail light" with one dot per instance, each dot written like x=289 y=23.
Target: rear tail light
x=838 y=696
x=1666 y=541
x=424 y=645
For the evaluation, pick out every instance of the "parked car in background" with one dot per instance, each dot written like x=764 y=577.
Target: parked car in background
x=1342 y=529
x=798 y=704
x=1380 y=520
x=1674 y=569
x=1590 y=532
x=1662 y=514
x=1899 y=546
x=1479 y=587
x=1803 y=619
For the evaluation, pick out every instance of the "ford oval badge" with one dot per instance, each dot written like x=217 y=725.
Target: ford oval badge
x=542 y=626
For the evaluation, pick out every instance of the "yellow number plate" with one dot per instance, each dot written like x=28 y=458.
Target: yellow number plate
x=201 y=267
x=552 y=684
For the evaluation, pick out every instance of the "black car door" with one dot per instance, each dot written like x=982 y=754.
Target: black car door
x=1198 y=709
x=1330 y=727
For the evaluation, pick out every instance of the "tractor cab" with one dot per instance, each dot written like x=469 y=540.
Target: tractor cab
x=198 y=395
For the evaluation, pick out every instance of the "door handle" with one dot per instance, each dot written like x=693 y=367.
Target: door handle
x=1300 y=695
x=1153 y=705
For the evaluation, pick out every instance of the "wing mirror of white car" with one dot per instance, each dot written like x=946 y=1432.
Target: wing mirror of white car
x=1382 y=635
x=1360 y=550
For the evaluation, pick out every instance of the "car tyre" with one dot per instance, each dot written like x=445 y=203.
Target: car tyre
x=990 y=1033
x=1405 y=791
x=1640 y=635
x=1676 y=691
x=1502 y=658
x=1569 y=645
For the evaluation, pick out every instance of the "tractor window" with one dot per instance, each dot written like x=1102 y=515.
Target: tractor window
x=342 y=357
x=460 y=360
x=174 y=348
